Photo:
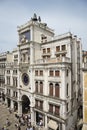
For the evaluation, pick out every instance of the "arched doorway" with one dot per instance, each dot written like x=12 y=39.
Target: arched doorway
x=25 y=104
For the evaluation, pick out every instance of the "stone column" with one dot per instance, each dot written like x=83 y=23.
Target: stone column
x=32 y=51
x=5 y=92
x=45 y=121
x=32 y=116
x=12 y=104
x=63 y=84
x=45 y=88
x=31 y=80
x=20 y=108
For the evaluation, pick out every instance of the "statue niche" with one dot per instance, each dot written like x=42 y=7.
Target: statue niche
x=23 y=39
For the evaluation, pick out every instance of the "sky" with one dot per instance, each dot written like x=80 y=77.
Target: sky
x=61 y=15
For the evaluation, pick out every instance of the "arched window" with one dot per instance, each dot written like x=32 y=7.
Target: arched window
x=51 y=89
x=41 y=87
x=36 y=86
x=57 y=90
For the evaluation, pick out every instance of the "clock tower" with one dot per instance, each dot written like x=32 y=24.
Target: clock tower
x=31 y=36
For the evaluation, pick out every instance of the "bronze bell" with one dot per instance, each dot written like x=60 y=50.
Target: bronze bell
x=34 y=17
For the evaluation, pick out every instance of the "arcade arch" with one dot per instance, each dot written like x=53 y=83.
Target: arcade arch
x=25 y=104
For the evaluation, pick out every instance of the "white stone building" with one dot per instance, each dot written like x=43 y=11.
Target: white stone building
x=3 y=60
x=44 y=76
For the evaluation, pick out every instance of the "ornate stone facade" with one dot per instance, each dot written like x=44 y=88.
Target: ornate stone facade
x=44 y=76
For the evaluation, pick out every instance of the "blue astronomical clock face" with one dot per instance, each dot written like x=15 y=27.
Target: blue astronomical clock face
x=25 y=79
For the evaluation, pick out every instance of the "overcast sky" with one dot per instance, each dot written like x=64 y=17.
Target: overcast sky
x=61 y=15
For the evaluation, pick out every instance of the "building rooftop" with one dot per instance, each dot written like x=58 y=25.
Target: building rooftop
x=36 y=22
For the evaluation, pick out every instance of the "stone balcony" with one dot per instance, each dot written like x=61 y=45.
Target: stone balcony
x=20 y=65
x=53 y=60
x=46 y=54
x=60 y=52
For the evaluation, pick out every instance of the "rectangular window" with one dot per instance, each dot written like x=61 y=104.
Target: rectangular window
x=15 y=56
x=15 y=71
x=57 y=48
x=41 y=72
x=57 y=73
x=57 y=109
x=51 y=73
x=63 y=55
x=44 y=51
x=8 y=71
x=58 y=57
x=8 y=80
x=63 y=47
x=15 y=62
x=48 y=50
x=44 y=57
x=36 y=72
x=51 y=108
x=48 y=57
x=41 y=104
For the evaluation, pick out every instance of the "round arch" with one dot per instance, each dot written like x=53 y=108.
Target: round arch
x=25 y=104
